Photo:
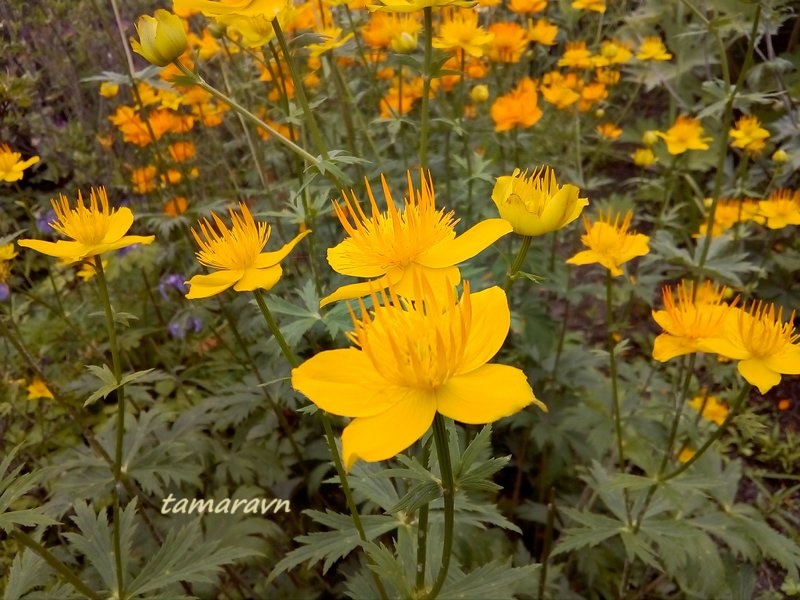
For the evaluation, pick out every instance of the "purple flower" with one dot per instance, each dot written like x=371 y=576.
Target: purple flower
x=174 y=281
x=5 y=292
x=176 y=330
x=43 y=221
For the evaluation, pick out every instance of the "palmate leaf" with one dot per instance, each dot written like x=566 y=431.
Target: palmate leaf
x=12 y=488
x=94 y=539
x=184 y=556
x=596 y=528
x=27 y=572
x=496 y=580
x=330 y=546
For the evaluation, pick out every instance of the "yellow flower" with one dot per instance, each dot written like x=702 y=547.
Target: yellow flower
x=685 y=134
x=7 y=252
x=88 y=270
x=749 y=135
x=560 y=90
x=537 y=205
x=762 y=343
x=613 y=52
x=780 y=156
x=509 y=41
x=461 y=32
x=92 y=230
x=686 y=454
x=162 y=38
x=542 y=32
x=412 y=5
x=728 y=213
x=608 y=130
x=12 y=165
x=643 y=157
x=781 y=209
x=269 y=9
x=518 y=108
x=698 y=313
x=650 y=137
x=109 y=89
x=479 y=93
x=396 y=246
x=237 y=253
x=576 y=56
x=653 y=48
x=332 y=39
x=610 y=244
x=595 y=5
x=710 y=408
x=412 y=360
x=38 y=389
x=527 y=6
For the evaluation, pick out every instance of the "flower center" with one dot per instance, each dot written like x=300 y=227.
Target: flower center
x=87 y=226
x=236 y=248
x=415 y=344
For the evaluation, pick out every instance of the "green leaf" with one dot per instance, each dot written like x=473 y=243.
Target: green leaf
x=14 y=486
x=596 y=529
x=496 y=580
x=184 y=556
x=109 y=381
x=330 y=546
x=27 y=572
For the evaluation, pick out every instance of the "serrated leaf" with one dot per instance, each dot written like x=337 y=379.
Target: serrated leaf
x=419 y=495
x=495 y=580
x=385 y=565
x=27 y=571
x=184 y=556
x=330 y=546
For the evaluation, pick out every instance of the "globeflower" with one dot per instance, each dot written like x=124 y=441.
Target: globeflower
x=764 y=346
x=12 y=165
x=690 y=313
x=518 y=108
x=162 y=38
x=749 y=135
x=411 y=360
x=610 y=244
x=536 y=204
x=781 y=209
x=412 y=5
x=710 y=408
x=38 y=389
x=594 y=5
x=92 y=230
x=685 y=134
x=653 y=48
x=396 y=246
x=461 y=33
x=236 y=253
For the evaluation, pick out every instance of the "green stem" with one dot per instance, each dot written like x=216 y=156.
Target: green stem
x=449 y=493
x=612 y=358
x=307 y=157
x=422 y=530
x=426 y=86
x=734 y=410
x=300 y=92
x=291 y=357
x=56 y=564
x=726 y=119
x=519 y=260
x=115 y=359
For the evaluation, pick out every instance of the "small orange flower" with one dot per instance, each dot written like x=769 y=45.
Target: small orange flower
x=176 y=206
x=518 y=108
x=685 y=134
x=509 y=42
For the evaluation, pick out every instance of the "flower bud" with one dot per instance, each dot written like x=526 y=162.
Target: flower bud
x=480 y=93
x=404 y=43
x=162 y=38
x=650 y=137
x=780 y=156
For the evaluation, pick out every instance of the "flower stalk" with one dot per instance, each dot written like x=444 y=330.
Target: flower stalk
x=448 y=490
x=424 y=123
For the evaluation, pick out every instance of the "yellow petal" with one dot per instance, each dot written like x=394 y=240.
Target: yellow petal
x=386 y=434
x=343 y=382
x=723 y=346
x=439 y=279
x=128 y=240
x=668 y=346
x=485 y=395
x=268 y=259
x=118 y=225
x=468 y=244
x=356 y=290
x=59 y=249
x=756 y=373
x=786 y=361
x=349 y=258
x=491 y=320
x=203 y=286
x=254 y=279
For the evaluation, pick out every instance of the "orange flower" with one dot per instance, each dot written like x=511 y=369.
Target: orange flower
x=144 y=180
x=176 y=206
x=527 y=6
x=576 y=56
x=518 y=108
x=542 y=32
x=608 y=130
